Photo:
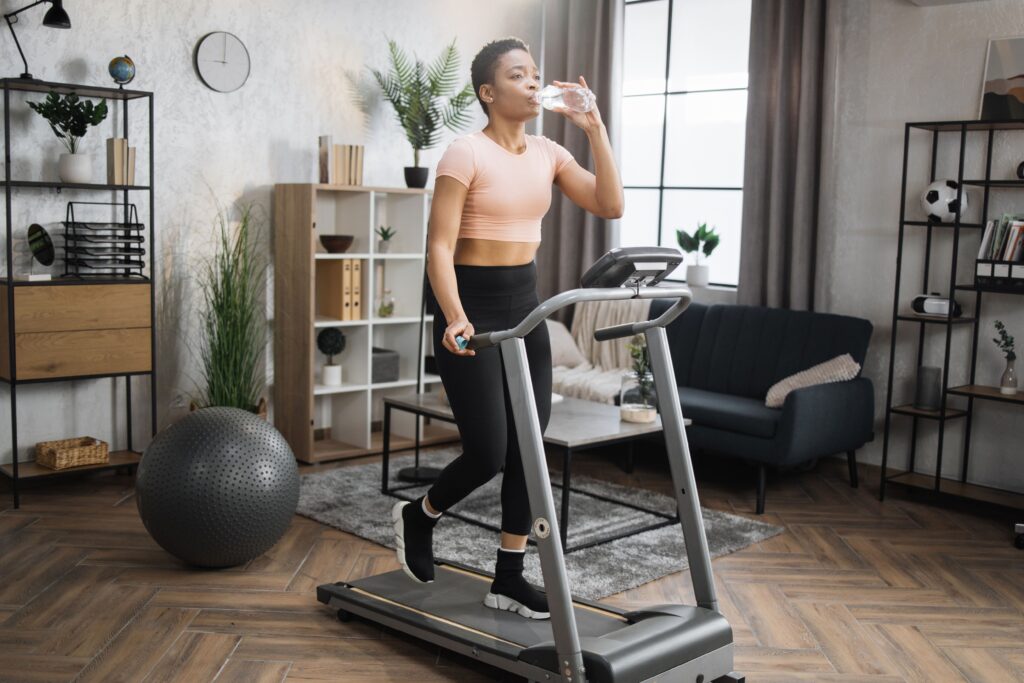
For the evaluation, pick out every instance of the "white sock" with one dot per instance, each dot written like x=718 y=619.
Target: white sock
x=427 y=512
x=515 y=550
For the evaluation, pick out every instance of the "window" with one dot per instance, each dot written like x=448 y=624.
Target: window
x=684 y=116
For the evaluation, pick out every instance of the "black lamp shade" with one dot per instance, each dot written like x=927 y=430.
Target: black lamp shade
x=56 y=17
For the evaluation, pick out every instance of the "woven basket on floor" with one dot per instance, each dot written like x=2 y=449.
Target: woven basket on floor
x=83 y=450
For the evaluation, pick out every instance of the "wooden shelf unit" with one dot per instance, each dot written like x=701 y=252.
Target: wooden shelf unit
x=910 y=476
x=302 y=404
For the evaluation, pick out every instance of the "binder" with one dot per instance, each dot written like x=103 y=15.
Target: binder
x=346 y=289
x=357 y=289
x=116 y=153
x=130 y=171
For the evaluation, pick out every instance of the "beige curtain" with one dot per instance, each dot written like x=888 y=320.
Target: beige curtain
x=781 y=176
x=581 y=38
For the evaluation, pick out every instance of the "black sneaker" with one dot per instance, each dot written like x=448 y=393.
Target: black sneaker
x=513 y=593
x=414 y=536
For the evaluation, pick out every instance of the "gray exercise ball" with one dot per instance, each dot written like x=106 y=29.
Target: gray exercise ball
x=217 y=488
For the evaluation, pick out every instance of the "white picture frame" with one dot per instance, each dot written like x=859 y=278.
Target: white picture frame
x=1002 y=86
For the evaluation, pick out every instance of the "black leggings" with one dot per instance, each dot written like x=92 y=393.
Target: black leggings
x=494 y=298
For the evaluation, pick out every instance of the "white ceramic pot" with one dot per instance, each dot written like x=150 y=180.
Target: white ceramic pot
x=75 y=168
x=383 y=246
x=331 y=375
x=697 y=276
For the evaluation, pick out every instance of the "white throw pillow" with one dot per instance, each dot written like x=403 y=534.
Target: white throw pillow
x=838 y=369
x=563 y=348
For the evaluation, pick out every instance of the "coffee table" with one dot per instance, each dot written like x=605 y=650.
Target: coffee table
x=575 y=425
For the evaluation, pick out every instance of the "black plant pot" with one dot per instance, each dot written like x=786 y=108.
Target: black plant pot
x=416 y=176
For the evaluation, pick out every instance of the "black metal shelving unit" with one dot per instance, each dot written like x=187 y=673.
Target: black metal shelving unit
x=936 y=483
x=120 y=459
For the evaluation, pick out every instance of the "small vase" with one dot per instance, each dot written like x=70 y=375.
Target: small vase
x=75 y=168
x=416 y=176
x=697 y=276
x=331 y=375
x=638 y=400
x=383 y=246
x=386 y=306
x=1008 y=382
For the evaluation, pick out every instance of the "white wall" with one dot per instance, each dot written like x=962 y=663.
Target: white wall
x=214 y=148
x=897 y=62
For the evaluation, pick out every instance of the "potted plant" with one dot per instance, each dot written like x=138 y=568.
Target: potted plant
x=233 y=319
x=1008 y=382
x=638 y=401
x=417 y=92
x=331 y=342
x=385 y=234
x=697 y=274
x=70 y=118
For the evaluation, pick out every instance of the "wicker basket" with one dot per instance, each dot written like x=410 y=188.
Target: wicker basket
x=83 y=450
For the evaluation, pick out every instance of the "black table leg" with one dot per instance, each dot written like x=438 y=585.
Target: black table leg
x=564 y=526
x=386 y=455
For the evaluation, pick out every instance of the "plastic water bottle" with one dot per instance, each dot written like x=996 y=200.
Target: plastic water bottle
x=576 y=98
x=461 y=342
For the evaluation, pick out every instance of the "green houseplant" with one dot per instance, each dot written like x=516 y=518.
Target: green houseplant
x=1008 y=382
x=638 y=401
x=69 y=118
x=425 y=100
x=701 y=241
x=233 y=319
x=385 y=234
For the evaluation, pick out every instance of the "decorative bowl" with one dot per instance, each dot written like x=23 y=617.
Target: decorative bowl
x=336 y=244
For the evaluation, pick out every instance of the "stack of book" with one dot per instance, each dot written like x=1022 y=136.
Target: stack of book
x=1001 y=254
x=340 y=164
x=339 y=289
x=120 y=162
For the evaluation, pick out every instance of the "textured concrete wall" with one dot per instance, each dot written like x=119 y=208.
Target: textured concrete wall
x=897 y=62
x=309 y=77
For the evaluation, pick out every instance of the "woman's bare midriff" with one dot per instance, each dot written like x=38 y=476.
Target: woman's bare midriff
x=477 y=252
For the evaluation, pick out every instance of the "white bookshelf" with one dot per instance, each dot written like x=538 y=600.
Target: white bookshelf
x=352 y=412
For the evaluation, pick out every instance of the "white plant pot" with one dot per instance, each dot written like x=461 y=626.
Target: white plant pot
x=697 y=276
x=75 y=168
x=383 y=246
x=331 y=375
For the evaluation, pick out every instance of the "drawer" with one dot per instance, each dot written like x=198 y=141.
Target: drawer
x=76 y=353
x=60 y=308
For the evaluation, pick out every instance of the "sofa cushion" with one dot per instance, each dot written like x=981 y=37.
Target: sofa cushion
x=732 y=413
x=838 y=369
x=563 y=347
x=744 y=350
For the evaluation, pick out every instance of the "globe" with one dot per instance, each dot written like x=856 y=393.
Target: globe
x=122 y=69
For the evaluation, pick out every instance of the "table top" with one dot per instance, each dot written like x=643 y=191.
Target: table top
x=574 y=422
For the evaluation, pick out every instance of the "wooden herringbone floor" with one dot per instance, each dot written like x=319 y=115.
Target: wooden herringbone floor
x=854 y=590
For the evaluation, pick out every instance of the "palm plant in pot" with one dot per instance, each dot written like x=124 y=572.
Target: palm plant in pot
x=70 y=118
x=426 y=100
x=233 y=319
x=701 y=241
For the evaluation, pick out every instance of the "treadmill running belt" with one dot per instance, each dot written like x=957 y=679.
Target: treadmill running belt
x=457 y=596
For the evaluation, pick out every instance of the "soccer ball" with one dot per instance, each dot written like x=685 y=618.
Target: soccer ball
x=939 y=201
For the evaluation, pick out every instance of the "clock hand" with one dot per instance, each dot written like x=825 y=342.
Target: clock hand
x=225 y=48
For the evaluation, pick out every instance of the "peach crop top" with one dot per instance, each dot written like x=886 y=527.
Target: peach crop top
x=508 y=193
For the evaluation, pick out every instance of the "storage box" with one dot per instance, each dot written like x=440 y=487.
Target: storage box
x=383 y=365
x=84 y=450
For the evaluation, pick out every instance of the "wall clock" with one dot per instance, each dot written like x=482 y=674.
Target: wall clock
x=221 y=61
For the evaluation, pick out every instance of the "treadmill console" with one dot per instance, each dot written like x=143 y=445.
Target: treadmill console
x=632 y=267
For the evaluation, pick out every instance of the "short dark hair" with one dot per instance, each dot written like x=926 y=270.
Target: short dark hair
x=486 y=61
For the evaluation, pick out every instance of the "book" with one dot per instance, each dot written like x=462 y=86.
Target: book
x=346 y=289
x=986 y=240
x=326 y=159
x=1013 y=240
x=357 y=289
x=116 y=152
x=129 y=174
x=359 y=166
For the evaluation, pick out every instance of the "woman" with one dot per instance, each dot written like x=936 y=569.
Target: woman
x=493 y=188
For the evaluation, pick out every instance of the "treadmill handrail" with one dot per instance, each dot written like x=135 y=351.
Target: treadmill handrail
x=573 y=296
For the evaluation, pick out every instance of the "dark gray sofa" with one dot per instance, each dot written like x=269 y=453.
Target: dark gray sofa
x=727 y=357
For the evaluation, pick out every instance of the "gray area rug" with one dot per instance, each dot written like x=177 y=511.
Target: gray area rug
x=349 y=498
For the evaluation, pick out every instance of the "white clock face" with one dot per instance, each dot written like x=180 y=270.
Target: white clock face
x=222 y=61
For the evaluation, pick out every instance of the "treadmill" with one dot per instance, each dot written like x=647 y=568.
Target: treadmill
x=583 y=640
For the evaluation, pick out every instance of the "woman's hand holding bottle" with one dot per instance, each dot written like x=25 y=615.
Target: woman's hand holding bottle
x=460 y=327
